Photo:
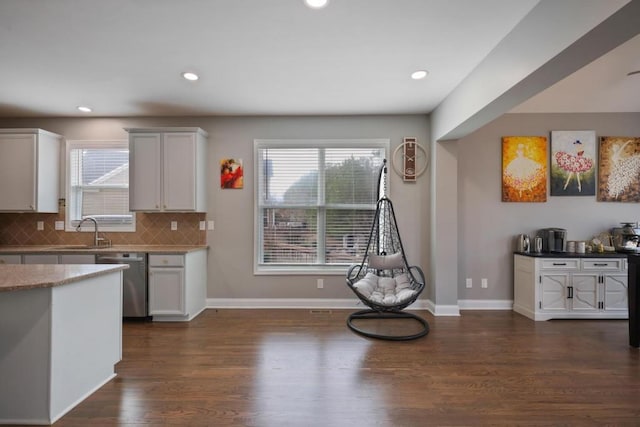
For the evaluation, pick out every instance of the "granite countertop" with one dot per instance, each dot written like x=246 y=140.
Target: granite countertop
x=17 y=277
x=573 y=255
x=57 y=249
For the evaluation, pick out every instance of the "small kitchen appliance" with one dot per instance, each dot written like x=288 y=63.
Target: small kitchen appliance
x=553 y=239
x=626 y=238
x=523 y=243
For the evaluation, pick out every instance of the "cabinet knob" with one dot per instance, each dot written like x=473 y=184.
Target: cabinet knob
x=157 y=206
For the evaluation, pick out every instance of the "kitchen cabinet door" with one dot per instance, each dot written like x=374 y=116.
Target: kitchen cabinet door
x=145 y=172
x=166 y=291
x=40 y=259
x=29 y=170
x=17 y=172
x=179 y=172
x=10 y=259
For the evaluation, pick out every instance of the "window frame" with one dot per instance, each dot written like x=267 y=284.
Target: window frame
x=294 y=269
x=71 y=224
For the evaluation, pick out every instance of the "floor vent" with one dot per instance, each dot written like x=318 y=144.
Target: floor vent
x=319 y=311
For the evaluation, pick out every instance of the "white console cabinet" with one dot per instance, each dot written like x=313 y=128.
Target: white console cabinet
x=167 y=169
x=570 y=288
x=177 y=285
x=29 y=170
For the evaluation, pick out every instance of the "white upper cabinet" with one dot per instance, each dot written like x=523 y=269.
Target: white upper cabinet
x=29 y=170
x=167 y=169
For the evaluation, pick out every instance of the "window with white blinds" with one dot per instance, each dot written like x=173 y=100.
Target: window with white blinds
x=98 y=184
x=315 y=202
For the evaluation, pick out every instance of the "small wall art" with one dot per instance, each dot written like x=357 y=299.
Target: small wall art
x=524 y=169
x=619 y=169
x=231 y=173
x=573 y=163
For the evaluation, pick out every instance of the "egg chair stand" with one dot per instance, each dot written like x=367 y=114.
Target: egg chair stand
x=383 y=280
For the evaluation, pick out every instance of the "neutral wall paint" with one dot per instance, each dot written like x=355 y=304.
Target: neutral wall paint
x=230 y=260
x=487 y=226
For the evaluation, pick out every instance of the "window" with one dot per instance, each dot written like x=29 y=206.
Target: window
x=315 y=202
x=98 y=185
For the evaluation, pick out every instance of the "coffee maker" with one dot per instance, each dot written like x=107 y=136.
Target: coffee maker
x=553 y=239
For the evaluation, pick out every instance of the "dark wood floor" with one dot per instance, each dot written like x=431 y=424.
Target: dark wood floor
x=302 y=368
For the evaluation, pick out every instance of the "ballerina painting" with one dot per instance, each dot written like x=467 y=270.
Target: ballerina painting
x=619 y=169
x=573 y=163
x=524 y=169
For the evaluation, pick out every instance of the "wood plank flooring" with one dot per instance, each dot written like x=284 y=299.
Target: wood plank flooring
x=302 y=368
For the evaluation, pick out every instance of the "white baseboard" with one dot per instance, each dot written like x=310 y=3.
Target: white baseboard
x=355 y=304
x=442 y=310
x=304 y=303
x=485 y=304
x=324 y=303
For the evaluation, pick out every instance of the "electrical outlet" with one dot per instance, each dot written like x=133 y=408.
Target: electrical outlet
x=59 y=225
x=320 y=283
x=203 y=225
x=469 y=283
x=484 y=283
x=40 y=225
x=174 y=225
x=211 y=224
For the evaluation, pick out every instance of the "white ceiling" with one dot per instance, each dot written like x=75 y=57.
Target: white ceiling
x=270 y=57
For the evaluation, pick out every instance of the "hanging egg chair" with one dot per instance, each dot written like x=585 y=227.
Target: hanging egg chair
x=383 y=280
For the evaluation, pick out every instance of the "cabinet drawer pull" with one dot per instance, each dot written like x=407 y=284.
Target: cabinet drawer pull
x=600 y=264
x=559 y=263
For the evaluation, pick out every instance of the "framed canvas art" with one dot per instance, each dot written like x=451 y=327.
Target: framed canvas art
x=524 y=169
x=619 y=169
x=573 y=163
x=231 y=173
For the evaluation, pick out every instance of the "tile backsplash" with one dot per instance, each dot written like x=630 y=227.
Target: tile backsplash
x=151 y=229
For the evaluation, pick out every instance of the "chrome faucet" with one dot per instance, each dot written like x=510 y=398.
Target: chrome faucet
x=96 y=239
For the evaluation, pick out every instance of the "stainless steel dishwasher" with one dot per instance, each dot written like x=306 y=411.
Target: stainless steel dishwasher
x=134 y=282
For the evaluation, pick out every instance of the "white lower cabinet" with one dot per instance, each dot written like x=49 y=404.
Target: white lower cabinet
x=177 y=285
x=40 y=259
x=570 y=288
x=10 y=259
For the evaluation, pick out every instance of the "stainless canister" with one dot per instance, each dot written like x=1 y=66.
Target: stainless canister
x=580 y=247
x=537 y=244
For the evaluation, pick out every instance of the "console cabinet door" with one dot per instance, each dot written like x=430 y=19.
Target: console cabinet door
x=616 y=296
x=584 y=292
x=554 y=292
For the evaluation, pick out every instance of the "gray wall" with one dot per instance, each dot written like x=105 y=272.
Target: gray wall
x=231 y=244
x=487 y=226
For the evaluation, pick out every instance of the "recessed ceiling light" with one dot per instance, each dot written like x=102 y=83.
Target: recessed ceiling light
x=84 y=109
x=631 y=73
x=316 y=4
x=190 y=76
x=417 y=75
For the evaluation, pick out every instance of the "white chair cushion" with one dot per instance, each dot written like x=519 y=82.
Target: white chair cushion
x=386 y=262
x=388 y=291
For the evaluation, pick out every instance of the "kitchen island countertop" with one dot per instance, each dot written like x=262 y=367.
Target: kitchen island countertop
x=15 y=277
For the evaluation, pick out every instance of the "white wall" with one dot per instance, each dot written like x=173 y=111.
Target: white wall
x=487 y=226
